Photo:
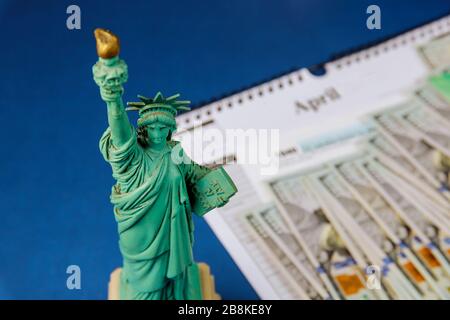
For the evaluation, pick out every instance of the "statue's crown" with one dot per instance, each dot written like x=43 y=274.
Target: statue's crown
x=165 y=106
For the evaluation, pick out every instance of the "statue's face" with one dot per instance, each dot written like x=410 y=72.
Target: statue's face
x=157 y=133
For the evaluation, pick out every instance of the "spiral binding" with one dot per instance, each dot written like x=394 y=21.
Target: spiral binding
x=204 y=112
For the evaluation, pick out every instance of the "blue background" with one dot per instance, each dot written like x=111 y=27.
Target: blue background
x=54 y=185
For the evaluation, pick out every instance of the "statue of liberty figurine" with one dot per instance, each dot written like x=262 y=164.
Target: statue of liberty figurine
x=157 y=189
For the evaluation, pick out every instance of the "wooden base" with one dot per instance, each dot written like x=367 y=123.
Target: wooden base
x=208 y=284
x=114 y=284
x=206 y=278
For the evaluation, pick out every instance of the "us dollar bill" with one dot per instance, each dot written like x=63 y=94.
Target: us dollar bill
x=371 y=238
x=308 y=224
x=409 y=143
x=394 y=226
x=395 y=160
x=434 y=102
x=301 y=283
x=289 y=244
x=432 y=129
x=419 y=224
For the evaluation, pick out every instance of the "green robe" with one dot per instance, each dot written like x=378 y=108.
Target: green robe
x=153 y=212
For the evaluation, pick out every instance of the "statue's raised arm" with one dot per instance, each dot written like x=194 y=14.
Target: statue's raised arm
x=110 y=73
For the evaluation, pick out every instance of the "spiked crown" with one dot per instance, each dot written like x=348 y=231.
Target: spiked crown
x=158 y=107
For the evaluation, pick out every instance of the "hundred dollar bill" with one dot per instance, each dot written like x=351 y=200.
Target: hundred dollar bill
x=434 y=102
x=440 y=233
x=432 y=211
x=431 y=128
x=286 y=241
x=431 y=244
x=302 y=285
x=373 y=170
x=439 y=229
x=307 y=223
x=436 y=53
x=396 y=229
x=363 y=255
x=428 y=250
x=399 y=165
x=395 y=160
x=372 y=239
x=350 y=281
x=409 y=143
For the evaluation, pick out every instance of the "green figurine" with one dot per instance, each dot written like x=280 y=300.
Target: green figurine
x=157 y=186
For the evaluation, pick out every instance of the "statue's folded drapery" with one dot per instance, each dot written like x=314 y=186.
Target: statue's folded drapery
x=153 y=212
